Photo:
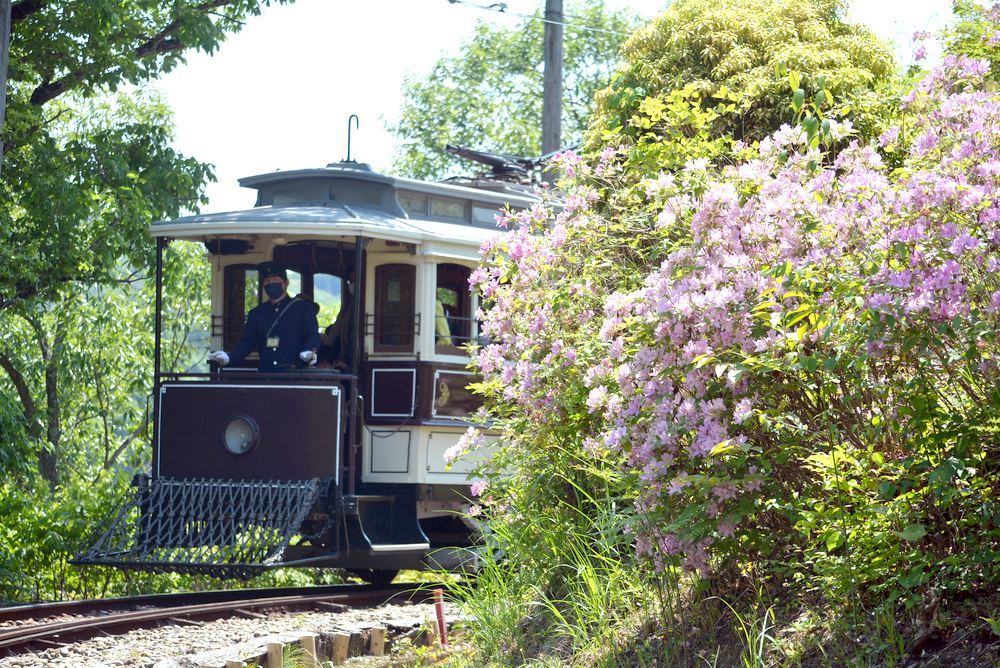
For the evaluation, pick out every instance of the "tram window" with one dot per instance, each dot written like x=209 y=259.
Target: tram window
x=394 y=307
x=452 y=308
x=326 y=292
x=357 y=191
x=415 y=205
x=299 y=193
x=447 y=208
x=241 y=294
x=485 y=215
x=294 y=283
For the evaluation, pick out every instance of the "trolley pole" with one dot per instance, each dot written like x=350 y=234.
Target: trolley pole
x=552 y=87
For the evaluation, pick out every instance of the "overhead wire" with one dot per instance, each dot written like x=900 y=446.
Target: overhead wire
x=501 y=8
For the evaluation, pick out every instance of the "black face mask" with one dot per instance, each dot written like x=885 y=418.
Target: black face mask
x=274 y=290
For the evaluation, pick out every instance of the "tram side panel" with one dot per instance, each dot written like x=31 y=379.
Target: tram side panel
x=416 y=413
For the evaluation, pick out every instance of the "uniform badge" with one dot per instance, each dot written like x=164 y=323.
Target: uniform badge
x=272 y=341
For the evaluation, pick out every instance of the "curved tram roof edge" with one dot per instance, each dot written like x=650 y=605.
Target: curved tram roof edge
x=320 y=221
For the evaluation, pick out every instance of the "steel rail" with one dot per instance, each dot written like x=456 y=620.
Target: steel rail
x=174 y=607
x=84 y=606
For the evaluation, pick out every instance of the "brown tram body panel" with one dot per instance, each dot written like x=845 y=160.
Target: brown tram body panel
x=417 y=392
x=299 y=430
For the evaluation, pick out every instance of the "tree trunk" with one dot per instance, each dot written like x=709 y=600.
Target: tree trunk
x=4 y=55
x=48 y=456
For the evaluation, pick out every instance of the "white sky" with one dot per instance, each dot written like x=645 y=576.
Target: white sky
x=278 y=94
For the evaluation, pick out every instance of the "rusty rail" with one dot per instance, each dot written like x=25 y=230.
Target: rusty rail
x=186 y=606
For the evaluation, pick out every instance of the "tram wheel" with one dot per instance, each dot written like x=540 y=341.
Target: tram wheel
x=374 y=576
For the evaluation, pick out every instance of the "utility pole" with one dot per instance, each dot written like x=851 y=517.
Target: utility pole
x=552 y=91
x=4 y=55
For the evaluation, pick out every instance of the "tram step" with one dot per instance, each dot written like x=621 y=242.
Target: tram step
x=400 y=547
x=383 y=523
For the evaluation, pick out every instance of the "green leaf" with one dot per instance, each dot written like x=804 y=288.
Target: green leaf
x=913 y=532
x=833 y=539
x=913 y=578
x=723 y=447
x=798 y=99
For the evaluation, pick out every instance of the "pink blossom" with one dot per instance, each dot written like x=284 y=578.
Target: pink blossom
x=743 y=410
x=597 y=397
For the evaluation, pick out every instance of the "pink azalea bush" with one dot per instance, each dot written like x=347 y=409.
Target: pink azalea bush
x=782 y=351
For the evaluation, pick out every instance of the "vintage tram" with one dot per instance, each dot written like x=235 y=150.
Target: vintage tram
x=339 y=465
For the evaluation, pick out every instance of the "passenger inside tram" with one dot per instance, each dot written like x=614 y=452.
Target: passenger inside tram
x=337 y=351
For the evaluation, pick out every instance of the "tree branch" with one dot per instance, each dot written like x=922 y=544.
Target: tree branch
x=163 y=41
x=136 y=433
x=23 y=9
x=27 y=403
x=13 y=144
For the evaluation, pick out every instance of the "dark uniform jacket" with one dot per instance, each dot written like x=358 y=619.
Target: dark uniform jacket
x=291 y=321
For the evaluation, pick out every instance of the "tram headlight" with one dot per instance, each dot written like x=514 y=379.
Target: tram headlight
x=241 y=435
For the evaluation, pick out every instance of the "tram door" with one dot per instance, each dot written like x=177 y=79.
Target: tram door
x=324 y=274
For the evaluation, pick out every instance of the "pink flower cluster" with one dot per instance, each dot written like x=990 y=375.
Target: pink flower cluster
x=753 y=264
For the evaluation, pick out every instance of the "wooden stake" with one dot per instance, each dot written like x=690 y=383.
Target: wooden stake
x=376 y=641
x=442 y=626
x=341 y=642
x=274 y=654
x=358 y=644
x=235 y=663
x=308 y=642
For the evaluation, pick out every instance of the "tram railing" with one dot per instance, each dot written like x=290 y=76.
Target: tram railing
x=452 y=334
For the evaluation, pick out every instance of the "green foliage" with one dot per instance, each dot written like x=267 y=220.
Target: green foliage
x=702 y=262
x=975 y=32
x=87 y=166
x=733 y=50
x=79 y=197
x=489 y=96
x=86 y=170
x=89 y=390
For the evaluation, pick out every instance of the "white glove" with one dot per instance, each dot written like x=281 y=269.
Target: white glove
x=219 y=356
x=308 y=356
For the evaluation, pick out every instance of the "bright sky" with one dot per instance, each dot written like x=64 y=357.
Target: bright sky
x=278 y=94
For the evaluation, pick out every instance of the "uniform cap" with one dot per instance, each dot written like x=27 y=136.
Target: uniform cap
x=265 y=269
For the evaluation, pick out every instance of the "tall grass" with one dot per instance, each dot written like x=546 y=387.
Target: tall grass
x=755 y=633
x=559 y=583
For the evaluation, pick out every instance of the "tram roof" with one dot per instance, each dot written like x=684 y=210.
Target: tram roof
x=333 y=201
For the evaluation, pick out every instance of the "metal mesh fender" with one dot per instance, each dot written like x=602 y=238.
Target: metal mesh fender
x=224 y=528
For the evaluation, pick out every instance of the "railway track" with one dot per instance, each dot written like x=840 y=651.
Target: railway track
x=51 y=624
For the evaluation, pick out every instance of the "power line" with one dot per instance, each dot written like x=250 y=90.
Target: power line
x=501 y=8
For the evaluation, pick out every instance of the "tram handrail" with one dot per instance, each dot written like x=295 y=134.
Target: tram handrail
x=312 y=375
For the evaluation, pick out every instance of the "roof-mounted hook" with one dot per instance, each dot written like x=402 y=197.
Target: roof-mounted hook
x=356 y=124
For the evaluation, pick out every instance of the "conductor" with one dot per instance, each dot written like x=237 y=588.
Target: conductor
x=283 y=330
